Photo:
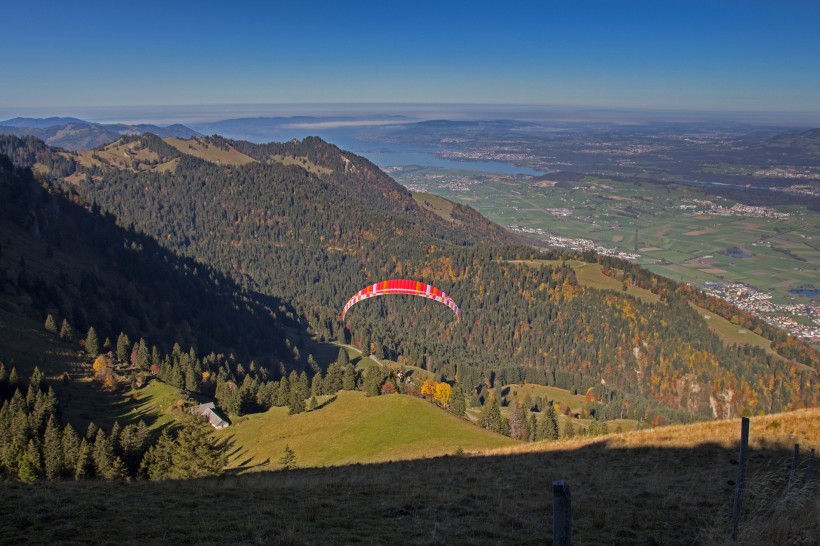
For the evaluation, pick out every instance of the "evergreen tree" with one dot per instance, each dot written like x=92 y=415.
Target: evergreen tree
x=123 y=347
x=491 y=418
x=196 y=454
x=70 y=450
x=14 y=381
x=52 y=450
x=532 y=427
x=343 y=359
x=569 y=430
x=458 y=404
x=288 y=459
x=158 y=460
x=92 y=343
x=30 y=467
x=66 y=332
x=349 y=378
x=144 y=357
x=51 y=324
x=283 y=397
x=85 y=461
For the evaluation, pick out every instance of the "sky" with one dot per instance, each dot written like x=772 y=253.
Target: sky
x=61 y=57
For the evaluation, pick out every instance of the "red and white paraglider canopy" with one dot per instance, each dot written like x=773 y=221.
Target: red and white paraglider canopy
x=402 y=286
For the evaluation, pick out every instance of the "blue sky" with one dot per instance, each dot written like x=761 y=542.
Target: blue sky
x=679 y=55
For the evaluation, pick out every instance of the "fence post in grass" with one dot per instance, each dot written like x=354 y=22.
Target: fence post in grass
x=741 y=476
x=561 y=514
x=810 y=469
x=793 y=472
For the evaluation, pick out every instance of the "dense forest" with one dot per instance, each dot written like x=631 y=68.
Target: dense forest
x=279 y=248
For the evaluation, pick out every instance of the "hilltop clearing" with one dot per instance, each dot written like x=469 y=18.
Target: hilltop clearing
x=351 y=428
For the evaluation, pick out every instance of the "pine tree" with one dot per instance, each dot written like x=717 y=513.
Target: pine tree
x=343 y=359
x=349 y=378
x=66 y=332
x=70 y=449
x=283 y=395
x=92 y=343
x=158 y=460
x=85 y=462
x=288 y=459
x=144 y=357
x=552 y=419
x=532 y=427
x=31 y=467
x=569 y=430
x=51 y=324
x=196 y=454
x=14 y=380
x=52 y=450
x=123 y=347
x=491 y=418
x=458 y=405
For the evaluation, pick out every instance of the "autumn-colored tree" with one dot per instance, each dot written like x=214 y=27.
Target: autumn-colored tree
x=428 y=388
x=101 y=363
x=442 y=394
x=388 y=387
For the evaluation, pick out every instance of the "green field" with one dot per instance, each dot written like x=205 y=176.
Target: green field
x=353 y=428
x=671 y=241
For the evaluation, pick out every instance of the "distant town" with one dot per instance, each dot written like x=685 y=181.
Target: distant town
x=698 y=207
x=760 y=304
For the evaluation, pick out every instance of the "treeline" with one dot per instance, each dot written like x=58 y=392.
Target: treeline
x=35 y=445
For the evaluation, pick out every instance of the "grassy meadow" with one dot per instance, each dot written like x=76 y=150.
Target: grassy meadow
x=352 y=428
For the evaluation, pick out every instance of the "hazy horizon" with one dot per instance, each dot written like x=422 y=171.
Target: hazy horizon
x=381 y=113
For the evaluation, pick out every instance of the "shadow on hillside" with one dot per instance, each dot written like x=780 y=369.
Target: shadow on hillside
x=620 y=495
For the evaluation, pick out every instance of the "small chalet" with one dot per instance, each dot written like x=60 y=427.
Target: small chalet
x=212 y=414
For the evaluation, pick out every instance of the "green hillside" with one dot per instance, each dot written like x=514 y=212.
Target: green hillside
x=353 y=428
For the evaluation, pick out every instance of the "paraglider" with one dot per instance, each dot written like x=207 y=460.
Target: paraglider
x=402 y=286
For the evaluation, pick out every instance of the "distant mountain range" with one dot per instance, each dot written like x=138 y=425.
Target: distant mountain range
x=78 y=134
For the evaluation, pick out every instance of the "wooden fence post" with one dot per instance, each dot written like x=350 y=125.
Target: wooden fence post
x=793 y=472
x=741 y=476
x=561 y=514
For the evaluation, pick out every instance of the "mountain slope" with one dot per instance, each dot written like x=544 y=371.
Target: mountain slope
x=314 y=234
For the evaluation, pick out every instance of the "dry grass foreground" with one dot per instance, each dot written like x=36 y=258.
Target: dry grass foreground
x=668 y=486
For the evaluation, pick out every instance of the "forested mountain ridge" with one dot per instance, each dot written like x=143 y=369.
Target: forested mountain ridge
x=60 y=258
x=313 y=234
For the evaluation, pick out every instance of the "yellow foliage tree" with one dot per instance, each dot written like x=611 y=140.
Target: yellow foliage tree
x=100 y=363
x=443 y=392
x=428 y=388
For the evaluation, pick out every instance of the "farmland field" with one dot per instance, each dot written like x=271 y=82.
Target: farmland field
x=674 y=229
